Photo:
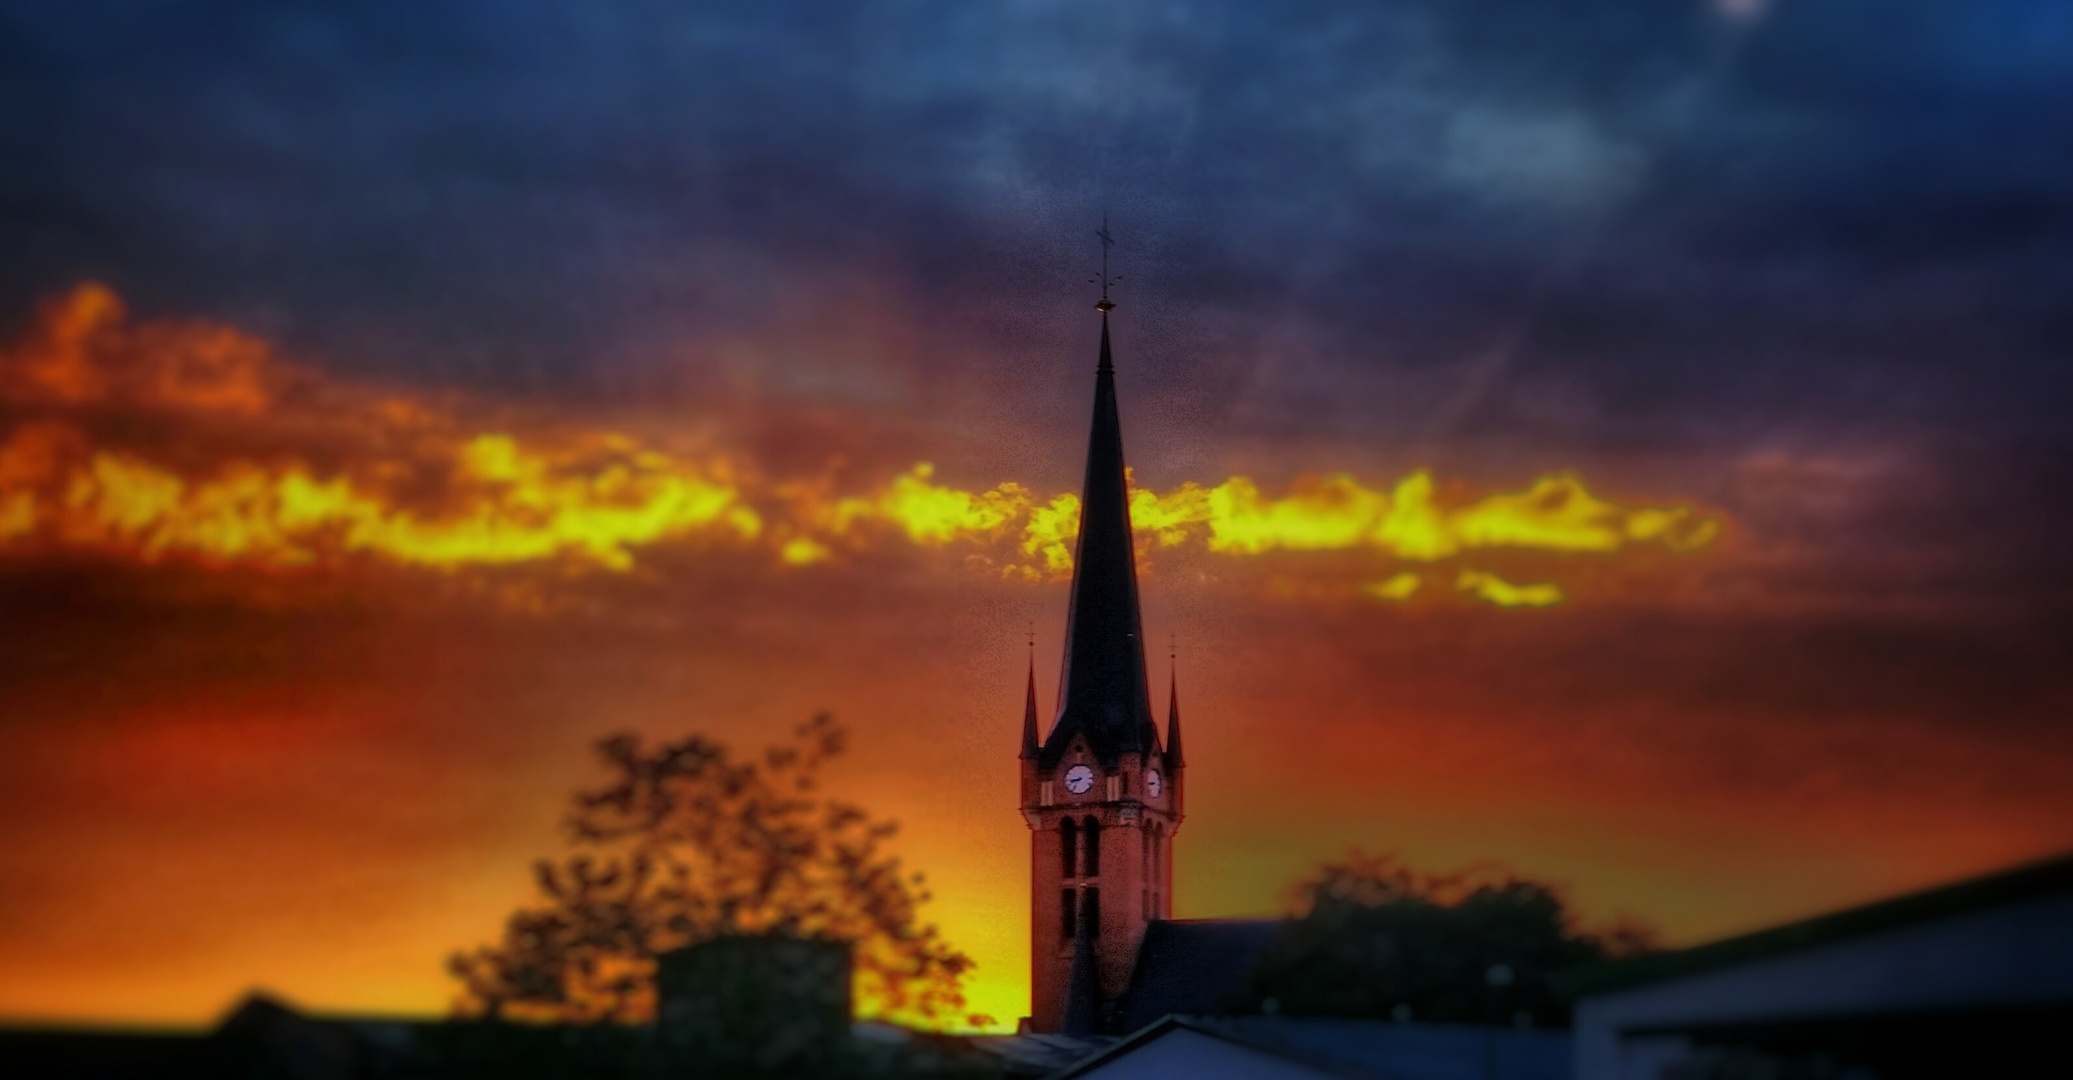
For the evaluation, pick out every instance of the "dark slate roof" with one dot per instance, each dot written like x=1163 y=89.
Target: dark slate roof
x=1993 y=890
x=1370 y=1049
x=1102 y=690
x=1186 y=967
x=1031 y=1054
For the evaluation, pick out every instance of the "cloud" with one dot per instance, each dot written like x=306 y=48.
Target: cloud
x=550 y=217
x=1556 y=160
x=417 y=485
x=83 y=350
x=503 y=503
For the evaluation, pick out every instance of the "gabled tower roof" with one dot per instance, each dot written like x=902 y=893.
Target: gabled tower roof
x=1102 y=692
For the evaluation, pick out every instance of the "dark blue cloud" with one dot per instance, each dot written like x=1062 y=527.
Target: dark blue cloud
x=1679 y=222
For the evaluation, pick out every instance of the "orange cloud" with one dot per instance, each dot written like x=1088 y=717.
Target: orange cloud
x=420 y=489
x=83 y=349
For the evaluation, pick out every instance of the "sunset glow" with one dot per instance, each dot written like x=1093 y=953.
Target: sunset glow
x=1620 y=444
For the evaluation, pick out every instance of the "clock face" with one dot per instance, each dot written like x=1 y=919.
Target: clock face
x=1154 y=784
x=1079 y=779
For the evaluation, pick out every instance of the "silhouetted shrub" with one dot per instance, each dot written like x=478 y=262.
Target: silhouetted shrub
x=1371 y=938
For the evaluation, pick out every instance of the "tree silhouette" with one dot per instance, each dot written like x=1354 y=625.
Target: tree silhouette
x=687 y=842
x=1373 y=938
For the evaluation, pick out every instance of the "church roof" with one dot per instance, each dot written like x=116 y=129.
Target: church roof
x=1186 y=967
x=1102 y=692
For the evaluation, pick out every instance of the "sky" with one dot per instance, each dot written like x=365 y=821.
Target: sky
x=1621 y=442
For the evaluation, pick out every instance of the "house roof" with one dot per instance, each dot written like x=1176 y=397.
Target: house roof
x=1187 y=966
x=1365 y=1049
x=1032 y=1054
x=1132 y=1041
x=1992 y=890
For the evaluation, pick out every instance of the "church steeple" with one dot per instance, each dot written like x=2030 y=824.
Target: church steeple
x=1101 y=799
x=1102 y=689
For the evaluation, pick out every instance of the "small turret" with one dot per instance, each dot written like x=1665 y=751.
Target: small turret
x=1174 y=759
x=1029 y=715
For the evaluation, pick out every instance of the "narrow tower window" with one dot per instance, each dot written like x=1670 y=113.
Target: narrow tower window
x=1093 y=847
x=1069 y=845
x=1067 y=907
x=1094 y=911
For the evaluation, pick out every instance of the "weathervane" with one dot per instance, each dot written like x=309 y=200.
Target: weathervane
x=1105 y=305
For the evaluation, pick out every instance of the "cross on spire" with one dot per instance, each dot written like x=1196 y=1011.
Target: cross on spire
x=1105 y=305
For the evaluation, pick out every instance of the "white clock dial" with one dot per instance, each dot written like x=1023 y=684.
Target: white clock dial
x=1154 y=784
x=1079 y=779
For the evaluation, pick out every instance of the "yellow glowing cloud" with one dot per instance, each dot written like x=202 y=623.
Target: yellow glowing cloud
x=1399 y=586
x=1488 y=586
x=601 y=500
x=931 y=514
x=1338 y=512
x=422 y=491
x=1052 y=530
x=504 y=504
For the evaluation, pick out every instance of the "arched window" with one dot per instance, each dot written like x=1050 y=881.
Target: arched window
x=1069 y=847
x=1092 y=923
x=1068 y=904
x=1093 y=830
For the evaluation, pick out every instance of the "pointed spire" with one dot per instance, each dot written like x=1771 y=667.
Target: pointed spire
x=1082 y=983
x=1029 y=713
x=1102 y=688
x=1173 y=754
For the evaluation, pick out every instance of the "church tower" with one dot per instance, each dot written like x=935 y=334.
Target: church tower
x=1101 y=795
